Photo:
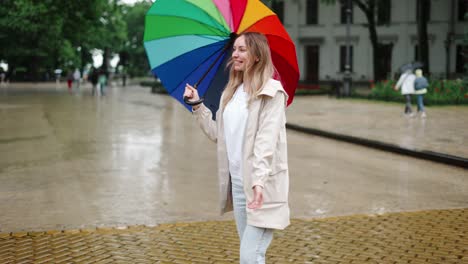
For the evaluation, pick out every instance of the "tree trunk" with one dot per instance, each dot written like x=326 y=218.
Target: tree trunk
x=83 y=52
x=422 y=20
x=369 y=11
x=105 y=59
x=33 y=70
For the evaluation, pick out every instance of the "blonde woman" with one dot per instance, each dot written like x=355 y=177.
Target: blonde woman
x=250 y=134
x=420 y=87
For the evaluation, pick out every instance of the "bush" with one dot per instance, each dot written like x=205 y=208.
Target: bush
x=384 y=91
x=156 y=87
x=439 y=92
x=321 y=91
x=447 y=92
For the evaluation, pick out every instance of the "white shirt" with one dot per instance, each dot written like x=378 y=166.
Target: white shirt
x=235 y=118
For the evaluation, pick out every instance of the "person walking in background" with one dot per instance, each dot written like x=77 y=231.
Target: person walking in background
x=93 y=78
x=250 y=133
x=102 y=79
x=58 y=75
x=420 y=86
x=406 y=83
x=2 y=75
x=77 y=78
x=69 y=80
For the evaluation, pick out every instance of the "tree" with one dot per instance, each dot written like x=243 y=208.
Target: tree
x=38 y=36
x=133 y=55
x=30 y=34
x=423 y=7
x=371 y=8
x=111 y=32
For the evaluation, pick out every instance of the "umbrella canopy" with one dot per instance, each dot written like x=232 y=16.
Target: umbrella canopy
x=190 y=41
x=410 y=66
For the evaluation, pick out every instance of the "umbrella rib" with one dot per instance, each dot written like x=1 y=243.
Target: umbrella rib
x=228 y=44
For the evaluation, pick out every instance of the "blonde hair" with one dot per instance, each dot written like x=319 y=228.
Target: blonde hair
x=418 y=72
x=257 y=74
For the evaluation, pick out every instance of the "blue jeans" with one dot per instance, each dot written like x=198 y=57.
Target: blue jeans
x=254 y=241
x=420 y=102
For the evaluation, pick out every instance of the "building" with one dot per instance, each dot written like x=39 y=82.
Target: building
x=319 y=31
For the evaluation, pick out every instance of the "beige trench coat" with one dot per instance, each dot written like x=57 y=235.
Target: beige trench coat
x=264 y=156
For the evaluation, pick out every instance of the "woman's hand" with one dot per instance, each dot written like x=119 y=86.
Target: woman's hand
x=192 y=94
x=258 y=198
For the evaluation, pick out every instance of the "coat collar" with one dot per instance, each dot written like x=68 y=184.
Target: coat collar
x=272 y=87
x=269 y=89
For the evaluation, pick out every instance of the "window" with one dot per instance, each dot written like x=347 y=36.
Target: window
x=384 y=8
x=384 y=63
x=312 y=63
x=312 y=12
x=462 y=9
x=462 y=59
x=427 y=9
x=278 y=8
x=343 y=58
x=343 y=11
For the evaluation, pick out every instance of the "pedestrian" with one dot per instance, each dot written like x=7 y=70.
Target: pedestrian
x=69 y=80
x=58 y=73
x=420 y=86
x=77 y=78
x=93 y=78
x=2 y=75
x=102 y=79
x=406 y=83
x=251 y=142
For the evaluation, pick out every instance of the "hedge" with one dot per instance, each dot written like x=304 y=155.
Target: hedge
x=439 y=92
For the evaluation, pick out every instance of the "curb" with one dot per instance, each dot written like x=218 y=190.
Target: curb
x=423 y=154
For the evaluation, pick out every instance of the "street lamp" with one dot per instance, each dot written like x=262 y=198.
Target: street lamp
x=347 y=74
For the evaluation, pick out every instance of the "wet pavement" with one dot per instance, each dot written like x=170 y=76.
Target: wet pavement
x=94 y=166
x=423 y=237
x=443 y=130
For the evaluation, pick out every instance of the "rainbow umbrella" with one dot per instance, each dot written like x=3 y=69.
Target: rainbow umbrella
x=190 y=41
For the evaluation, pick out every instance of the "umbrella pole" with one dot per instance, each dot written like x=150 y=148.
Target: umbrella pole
x=233 y=37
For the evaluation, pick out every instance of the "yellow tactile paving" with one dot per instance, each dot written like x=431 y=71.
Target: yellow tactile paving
x=439 y=236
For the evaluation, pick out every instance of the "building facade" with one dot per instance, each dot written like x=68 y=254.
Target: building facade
x=319 y=31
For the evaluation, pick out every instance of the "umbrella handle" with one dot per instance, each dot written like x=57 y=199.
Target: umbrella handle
x=192 y=103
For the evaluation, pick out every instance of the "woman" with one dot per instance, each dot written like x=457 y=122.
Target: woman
x=406 y=82
x=420 y=86
x=250 y=134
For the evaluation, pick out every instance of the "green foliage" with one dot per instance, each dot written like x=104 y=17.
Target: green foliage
x=29 y=29
x=323 y=90
x=135 y=60
x=384 y=91
x=439 y=92
x=447 y=92
x=42 y=35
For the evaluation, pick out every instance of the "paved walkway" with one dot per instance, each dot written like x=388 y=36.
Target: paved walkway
x=439 y=236
x=443 y=131
x=422 y=236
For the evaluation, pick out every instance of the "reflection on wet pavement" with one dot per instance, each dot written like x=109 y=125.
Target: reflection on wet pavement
x=131 y=157
x=442 y=131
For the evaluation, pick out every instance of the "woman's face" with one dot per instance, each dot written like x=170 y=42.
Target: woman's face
x=240 y=55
